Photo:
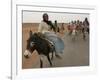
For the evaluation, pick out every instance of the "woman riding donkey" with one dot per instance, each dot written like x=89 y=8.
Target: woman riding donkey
x=45 y=28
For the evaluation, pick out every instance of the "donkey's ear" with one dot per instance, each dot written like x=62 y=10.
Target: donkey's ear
x=30 y=33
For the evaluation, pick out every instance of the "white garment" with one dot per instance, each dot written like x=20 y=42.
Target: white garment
x=51 y=36
x=43 y=27
x=73 y=32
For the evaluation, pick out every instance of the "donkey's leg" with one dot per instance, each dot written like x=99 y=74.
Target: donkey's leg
x=53 y=52
x=49 y=60
x=41 y=61
x=52 y=55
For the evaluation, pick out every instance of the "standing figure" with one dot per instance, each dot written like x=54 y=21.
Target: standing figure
x=85 y=28
x=86 y=25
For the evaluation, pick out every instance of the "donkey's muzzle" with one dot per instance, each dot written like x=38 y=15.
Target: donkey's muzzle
x=26 y=56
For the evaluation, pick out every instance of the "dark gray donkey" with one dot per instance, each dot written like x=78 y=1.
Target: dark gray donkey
x=38 y=42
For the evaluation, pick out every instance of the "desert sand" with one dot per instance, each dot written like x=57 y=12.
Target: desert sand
x=75 y=53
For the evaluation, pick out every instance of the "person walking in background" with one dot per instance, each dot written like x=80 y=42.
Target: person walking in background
x=86 y=24
x=56 y=26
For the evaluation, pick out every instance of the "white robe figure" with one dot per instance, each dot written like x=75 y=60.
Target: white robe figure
x=57 y=41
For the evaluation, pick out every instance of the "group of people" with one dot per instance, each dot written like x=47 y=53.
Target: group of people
x=46 y=26
x=46 y=39
x=79 y=26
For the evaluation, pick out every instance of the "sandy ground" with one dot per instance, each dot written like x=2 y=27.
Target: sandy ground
x=76 y=53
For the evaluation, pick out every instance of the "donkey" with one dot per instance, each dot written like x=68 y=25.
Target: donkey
x=38 y=42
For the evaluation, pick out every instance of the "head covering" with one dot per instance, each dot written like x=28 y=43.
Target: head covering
x=46 y=21
x=45 y=14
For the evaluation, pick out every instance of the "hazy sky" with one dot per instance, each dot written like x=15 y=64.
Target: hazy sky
x=36 y=17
